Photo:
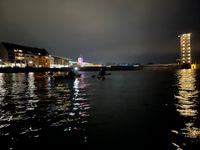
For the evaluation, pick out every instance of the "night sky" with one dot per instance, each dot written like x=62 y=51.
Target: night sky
x=135 y=31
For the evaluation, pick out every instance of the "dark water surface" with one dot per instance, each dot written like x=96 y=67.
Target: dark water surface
x=144 y=109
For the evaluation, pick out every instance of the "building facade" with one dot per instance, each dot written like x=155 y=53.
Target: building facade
x=13 y=55
x=185 y=49
x=59 y=62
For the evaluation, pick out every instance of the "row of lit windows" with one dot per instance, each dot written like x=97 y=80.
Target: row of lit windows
x=186 y=55
x=21 y=51
x=18 y=50
x=19 y=54
x=186 y=58
x=186 y=61
x=29 y=56
x=187 y=38
x=185 y=45
x=188 y=47
x=187 y=51
x=185 y=41
x=188 y=34
x=31 y=61
x=19 y=58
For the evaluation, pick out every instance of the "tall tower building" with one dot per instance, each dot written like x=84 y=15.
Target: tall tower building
x=185 y=48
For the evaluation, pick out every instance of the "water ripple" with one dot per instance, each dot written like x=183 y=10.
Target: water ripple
x=187 y=107
x=34 y=106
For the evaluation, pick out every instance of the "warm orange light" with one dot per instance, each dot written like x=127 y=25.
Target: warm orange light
x=187 y=99
x=185 y=48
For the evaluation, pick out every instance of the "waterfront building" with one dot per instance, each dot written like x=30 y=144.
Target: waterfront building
x=185 y=49
x=13 y=55
x=81 y=63
x=73 y=63
x=59 y=62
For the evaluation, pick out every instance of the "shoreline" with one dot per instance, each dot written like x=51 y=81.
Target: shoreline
x=110 y=68
x=29 y=69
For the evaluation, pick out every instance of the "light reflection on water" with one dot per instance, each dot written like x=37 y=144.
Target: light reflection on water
x=35 y=106
x=2 y=89
x=126 y=108
x=187 y=107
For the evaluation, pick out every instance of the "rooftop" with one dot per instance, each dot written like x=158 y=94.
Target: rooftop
x=28 y=50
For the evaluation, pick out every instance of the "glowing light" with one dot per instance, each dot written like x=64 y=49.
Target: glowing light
x=76 y=88
x=80 y=60
x=185 y=48
x=194 y=66
x=177 y=146
x=76 y=68
x=2 y=89
x=187 y=103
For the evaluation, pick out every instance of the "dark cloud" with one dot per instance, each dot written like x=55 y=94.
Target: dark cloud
x=101 y=30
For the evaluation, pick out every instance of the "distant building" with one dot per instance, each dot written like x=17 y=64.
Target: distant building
x=59 y=62
x=81 y=63
x=13 y=55
x=185 y=49
x=73 y=63
x=80 y=60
